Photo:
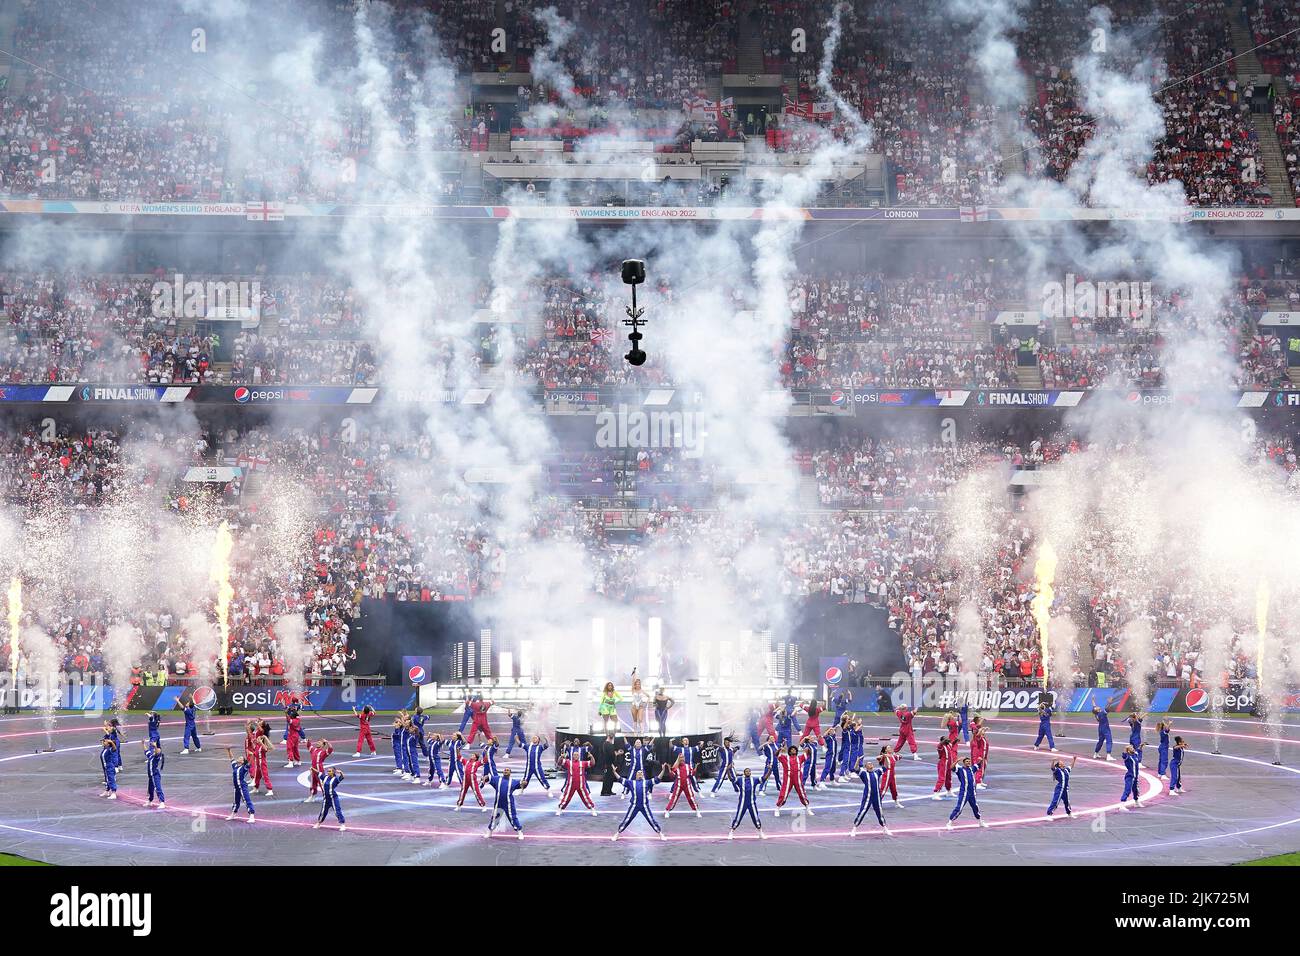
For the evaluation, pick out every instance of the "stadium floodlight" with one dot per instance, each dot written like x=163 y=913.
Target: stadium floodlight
x=634 y=275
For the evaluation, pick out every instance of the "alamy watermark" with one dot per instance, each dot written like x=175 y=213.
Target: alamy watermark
x=624 y=428
x=1073 y=299
x=204 y=299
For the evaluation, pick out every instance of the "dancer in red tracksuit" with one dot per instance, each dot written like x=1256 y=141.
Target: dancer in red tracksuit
x=813 y=725
x=979 y=752
x=682 y=785
x=765 y=724
x=888 y=760
x=291 y=742
x=906 y=735
x=363 y=734
x=469 y=767
x=480 y=724
x=953 y=726
x=575 y=768
x=319 y=750
x=947 y=762
x=262 y=772
x=792 y=762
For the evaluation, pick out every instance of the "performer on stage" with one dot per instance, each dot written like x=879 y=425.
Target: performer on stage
x=888 y=761
x=726 y=765
x=828 y=765
x=399 y=749
x=330 y=789
x=454 y=747
x=317 y=752
x=239 y=780
x=637 y=757
x=691 y=756
x=906 y=734
x=108 y=764
x=952 y=725
x=766 y=723
x=810 y=765
x=871 y=787
x=1045 y=712
x=1061 y=774
x=1103 y=732
x=747 y=791
x=503 y=802
x=947 y=763
x=1135 y=733
x=153 y=766
x=682 y=777
x=1176 y=767
x=534 y=767
x=979 y=753
x=752 y=735
x=608 y=708
x=480 y=722
x=575 y=768
x=663 y=704
x=153 y=730
x=784 y=727
x=113 y=728
x=516 y=732
x=791 y=762
x=1162 y=753
x=412 y=743
x=771 y=765
x=191 y=735
x=294 y=734
x=638 y=701
x=469 y=766
x=965 y=774
x=363 y=732
x=791 y=704
x=638 y=789
x=489 y=766
x=262 y=754
x=840 y=702
x=963 y=715
x=1132 y=771
x=813 y=725
x=435 y=763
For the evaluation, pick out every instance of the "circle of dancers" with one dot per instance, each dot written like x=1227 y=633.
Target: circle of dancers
x=795 y=760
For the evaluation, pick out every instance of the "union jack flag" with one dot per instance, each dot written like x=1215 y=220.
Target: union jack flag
x=601 y=335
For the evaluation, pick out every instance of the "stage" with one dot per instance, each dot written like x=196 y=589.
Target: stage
x=1238 y=806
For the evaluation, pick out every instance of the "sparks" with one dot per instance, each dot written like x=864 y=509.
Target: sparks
x=1041 y=606
x=220 y=574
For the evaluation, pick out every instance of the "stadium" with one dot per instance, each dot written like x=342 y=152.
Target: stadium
x=666 y=432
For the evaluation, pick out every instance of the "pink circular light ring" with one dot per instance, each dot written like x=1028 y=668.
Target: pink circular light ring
x=1155 y=787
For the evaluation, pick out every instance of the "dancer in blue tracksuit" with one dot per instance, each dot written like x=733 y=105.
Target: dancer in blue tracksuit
x=636 y=757
x=435 y=762
x=534 y=766
x=108 y=763
x=399 y=749
x=841 y=702
x=418 y=720
x=846 y=746
x=785 y=728
x=454 y=746
x=467 y=713
x=329 y=784
x=1176 y=767
x=516 y=731
x=490 y=759
x=239 y=772
x=771 y=767
x=963 y=715
x=503 y=804
x=809 y=772
x=1132 y=778
x=747 y=791
x=412 y=743
x=1162 y=752
x=870 y=778
x=191 y=728
x=1103 y=732
x=965 y=774
x=828 y=766
x=857 y=747
x=792 y=710
x=752 y=736
x=154 y=725
x=1061 y=774
x=726 y=765
x=153 y=767
x=114 y=729
x=1135 y=733
x=638 y=789
x=1045 y=712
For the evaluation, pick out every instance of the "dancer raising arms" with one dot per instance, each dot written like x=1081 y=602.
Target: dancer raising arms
x=330 y=790
x=503 y=802
x=1103 y=732
x=319 y=750
x=1061 y=774
x=871 y=793
x=364 y=736
x=638 y=789
x=906 y=733
x=1045 y=712
x=726 y=765
x=1162 y=752
x=575 y=768
x=608 y=708
x=792 y=762
x=239 y=780
x=535 y=770
x=979 y=752
x=1176 y=767
x=682 y=776
x=747 y=791
x=965 y=774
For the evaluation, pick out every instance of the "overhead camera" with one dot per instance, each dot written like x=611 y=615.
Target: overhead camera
x=634 y=275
